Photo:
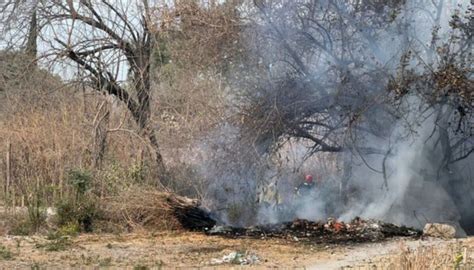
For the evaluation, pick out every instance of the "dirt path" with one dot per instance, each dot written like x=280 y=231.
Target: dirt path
x=404 y=254
x=185 y=250
x=362 y=254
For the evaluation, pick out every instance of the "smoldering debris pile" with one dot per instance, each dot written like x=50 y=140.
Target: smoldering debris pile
x=167 y=210
x=331 y=231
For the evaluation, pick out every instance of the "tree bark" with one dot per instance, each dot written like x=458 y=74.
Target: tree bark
x=31 y=44
x=141 y=68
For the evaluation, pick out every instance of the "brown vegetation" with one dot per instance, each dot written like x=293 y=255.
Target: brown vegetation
x=142 y=95
x=146 y=209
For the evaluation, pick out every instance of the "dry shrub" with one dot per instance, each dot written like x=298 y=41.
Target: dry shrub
x=204 y=35
x=145 y=208
x=201 y=42
x=190 y=104
x=454 y=256
x=48 y=128
x=45 y=139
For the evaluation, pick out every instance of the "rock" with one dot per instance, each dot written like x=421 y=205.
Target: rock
x=236 y=257
x=440 y=230
x=51 y=214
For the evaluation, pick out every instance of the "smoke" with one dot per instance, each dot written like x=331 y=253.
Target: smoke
x=402 y=183
x=410 y=194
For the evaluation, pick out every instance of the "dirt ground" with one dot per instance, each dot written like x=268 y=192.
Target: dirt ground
x=189 y=250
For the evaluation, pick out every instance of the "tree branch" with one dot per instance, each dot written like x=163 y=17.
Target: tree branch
x=103 y=83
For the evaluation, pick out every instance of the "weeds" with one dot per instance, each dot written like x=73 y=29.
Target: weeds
x=69 y=229
x=26 y=223
x=35 y=266
x=56 y=242
x=59 y=244
x=36 y=210
x=450 y=257
x=80 y=180
x=20 y=225
x=140 y=267
x=5 y=253
x=105 y=262
x=77 y=213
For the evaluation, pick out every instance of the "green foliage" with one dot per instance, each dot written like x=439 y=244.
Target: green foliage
x=77 y=213
x=457 y=260
x=5 y=253
x=35 y=266
x=114 y=178
x=65 y=213
x=81 y=181
x=22 y=224
x=36 y=216
x=137 y=173
x=140 y=267
x=69 y=229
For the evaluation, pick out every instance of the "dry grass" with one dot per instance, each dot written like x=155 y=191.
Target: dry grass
x=49 y=128
x=43 y=143
x=168 y=249
x=139 y=208
x=454 y=256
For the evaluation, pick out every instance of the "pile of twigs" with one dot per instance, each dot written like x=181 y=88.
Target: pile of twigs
x=140 y=208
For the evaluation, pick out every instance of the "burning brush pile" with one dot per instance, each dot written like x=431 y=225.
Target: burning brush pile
x=331 y=231
x=170 y=211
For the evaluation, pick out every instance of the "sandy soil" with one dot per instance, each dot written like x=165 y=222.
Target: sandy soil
x=365 y=254
x=186 y=250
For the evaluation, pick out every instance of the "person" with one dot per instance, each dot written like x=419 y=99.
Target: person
x=306 y=187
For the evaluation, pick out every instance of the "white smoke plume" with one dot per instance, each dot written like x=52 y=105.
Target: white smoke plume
x=404 y=186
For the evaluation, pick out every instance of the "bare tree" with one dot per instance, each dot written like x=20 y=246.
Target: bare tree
x=105 y=39
x=18 y=23
x=323 y=72
x=320 y=73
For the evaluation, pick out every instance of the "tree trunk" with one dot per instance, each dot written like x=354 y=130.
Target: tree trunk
x=31 y=45
x=346 y=176
x=142 y=81
x=143 y=120
x=100 y=136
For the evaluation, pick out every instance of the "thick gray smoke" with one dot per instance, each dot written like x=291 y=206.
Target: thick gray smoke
x=403 y=184
x=412 y=193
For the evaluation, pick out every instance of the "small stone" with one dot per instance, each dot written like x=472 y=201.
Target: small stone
x=440 y=230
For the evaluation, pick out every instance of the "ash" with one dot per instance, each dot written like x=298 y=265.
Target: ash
x=329 y=231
